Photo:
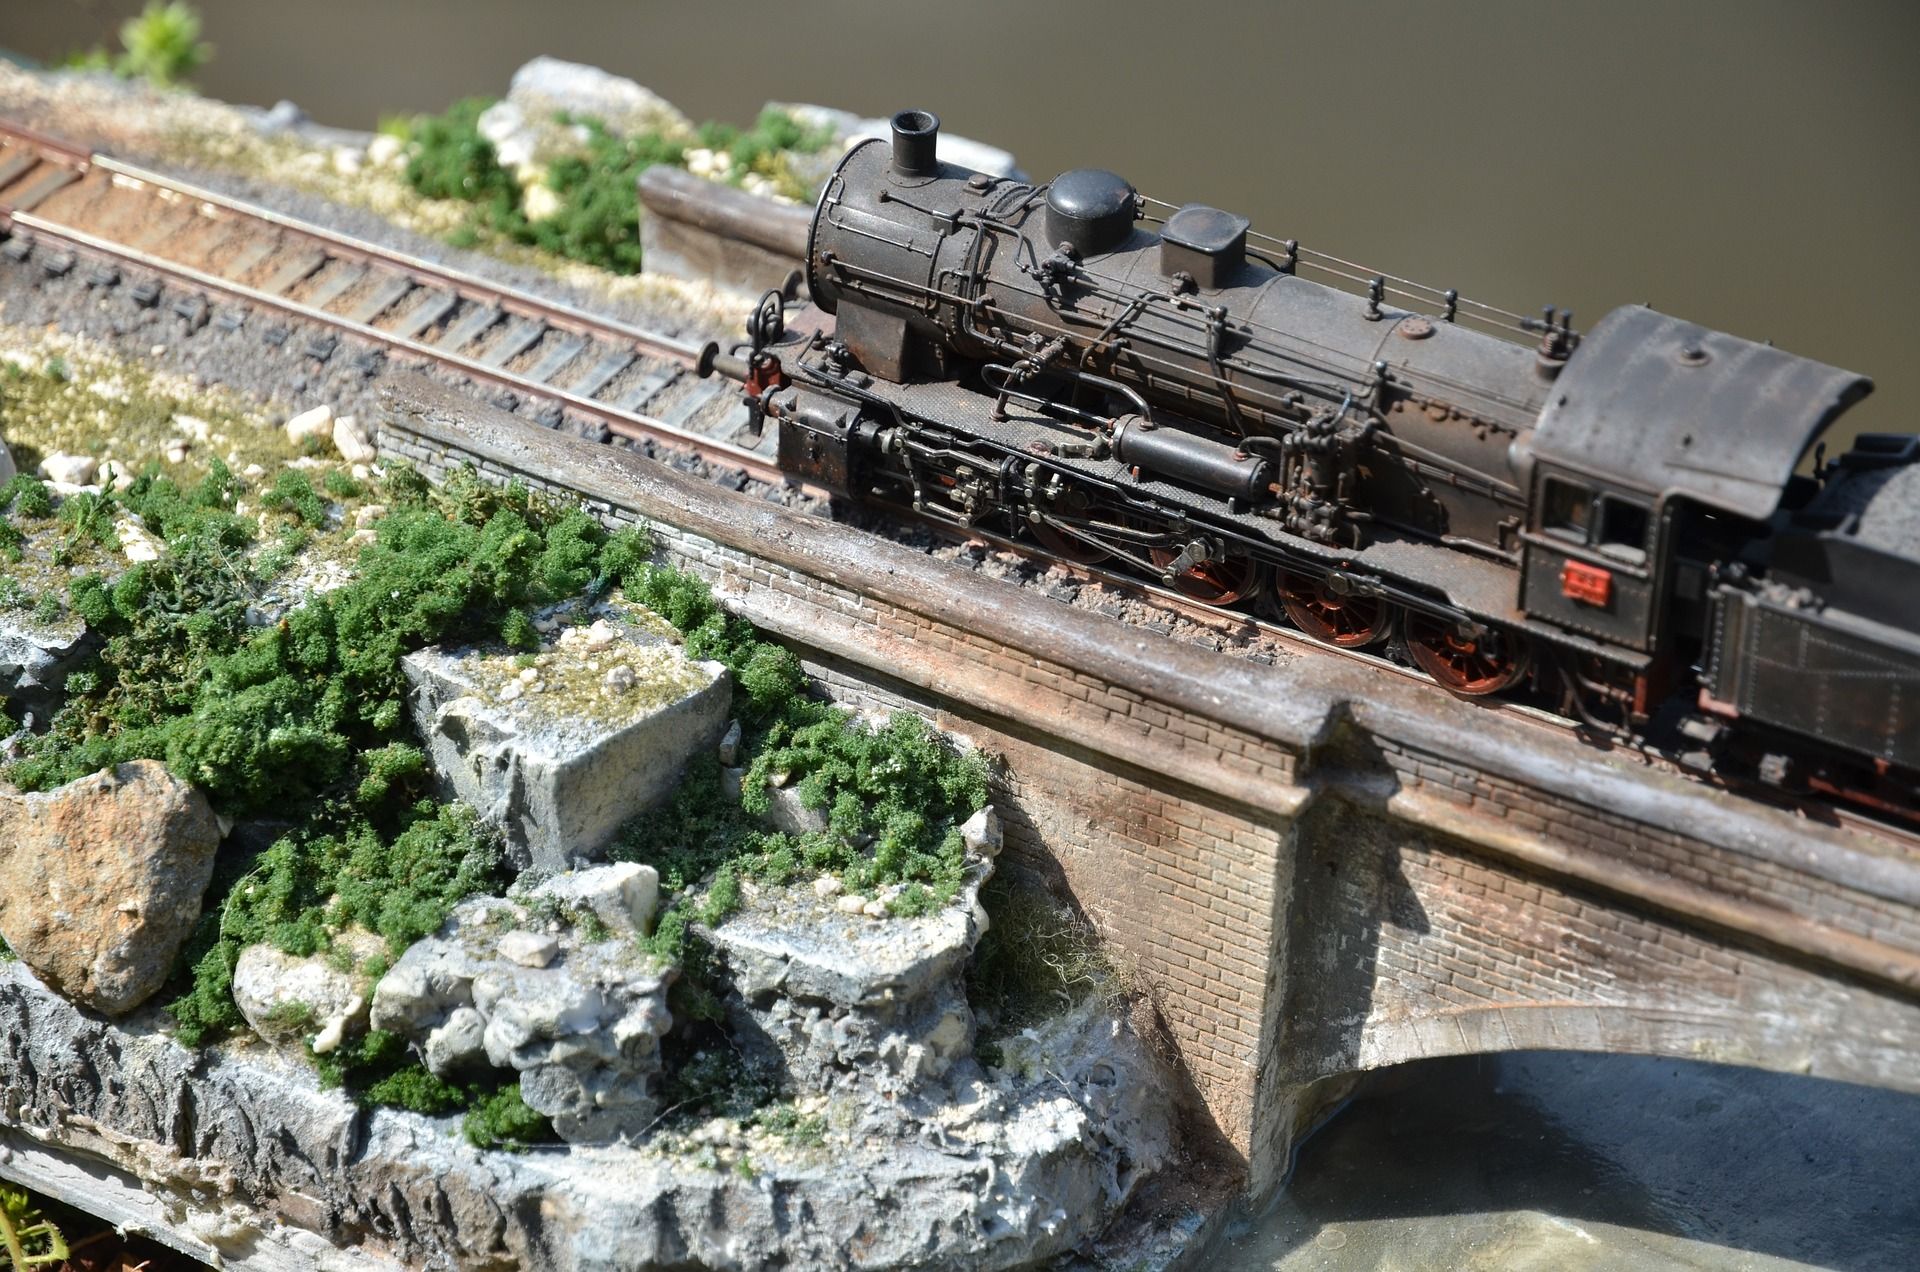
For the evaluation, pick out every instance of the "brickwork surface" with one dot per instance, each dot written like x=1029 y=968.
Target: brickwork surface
x=1314 y=867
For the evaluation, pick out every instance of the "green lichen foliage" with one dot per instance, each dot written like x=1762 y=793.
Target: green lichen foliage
x=597 y=190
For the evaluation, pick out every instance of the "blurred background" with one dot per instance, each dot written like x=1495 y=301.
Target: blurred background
x=1750 y=164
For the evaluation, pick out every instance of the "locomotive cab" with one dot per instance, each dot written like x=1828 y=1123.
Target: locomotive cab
x=1590 y=558
x=1656 y=425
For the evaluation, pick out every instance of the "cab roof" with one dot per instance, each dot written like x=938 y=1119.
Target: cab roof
x=1671 y=408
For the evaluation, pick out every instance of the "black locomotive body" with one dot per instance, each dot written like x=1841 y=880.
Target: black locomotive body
x=1610 y=521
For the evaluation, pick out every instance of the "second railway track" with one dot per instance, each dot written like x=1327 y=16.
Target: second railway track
x=79 y=211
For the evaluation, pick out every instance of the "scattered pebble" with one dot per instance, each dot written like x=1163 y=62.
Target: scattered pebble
x=620 y=679
x=364 y=517
x=317 y=423
x=529 y=949
x=600 y=636
x=827 y=886
x=875 y=909
x=852 y=903
x=73 y=470
x=512 y=691
x=529 y=675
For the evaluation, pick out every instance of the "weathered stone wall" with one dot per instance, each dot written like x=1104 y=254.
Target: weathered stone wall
x=1316 y=867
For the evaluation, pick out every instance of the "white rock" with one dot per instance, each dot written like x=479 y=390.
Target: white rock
x=334 y=1031
x=253 y=470
x=458 y=1045
x=74 y=470
x=852 y=903
x=347 y=161
x=600 y=636
x=512 y=691
x=983 y=832
x=362 y=472
x=540 y=203
x=620 y=679
x=529 y=674
x=364 y=517
x=361 y=538
x=114 y=474
x=623 y=894
x=316 y=423
x=827 y=886
x=353 y=441
x=276 y=990
x=729 y=749
x=386 y=151
x=875 y=909
x=193 y=426
x=176 y=452
x=529 y=949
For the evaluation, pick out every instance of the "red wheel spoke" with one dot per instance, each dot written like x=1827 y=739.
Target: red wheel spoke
x=1346 y=621
x=1466 y=663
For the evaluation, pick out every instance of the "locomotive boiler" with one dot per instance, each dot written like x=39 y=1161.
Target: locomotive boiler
x=1610 y=522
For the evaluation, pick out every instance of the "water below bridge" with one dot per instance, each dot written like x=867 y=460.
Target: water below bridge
x=1535 y=1160
x=1750 y=164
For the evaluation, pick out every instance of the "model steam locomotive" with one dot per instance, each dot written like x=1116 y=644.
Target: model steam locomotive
x=1611 y=522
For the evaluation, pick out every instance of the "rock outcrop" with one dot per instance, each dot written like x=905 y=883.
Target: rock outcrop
x=551 y=985
x=37 y=657
x=561 y=753
x=101 y=881
x=846 y=1001
x=525 y=127
x=1016 y=1173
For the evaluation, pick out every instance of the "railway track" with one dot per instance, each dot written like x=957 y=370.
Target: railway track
x=72 y=210
x=66 y=209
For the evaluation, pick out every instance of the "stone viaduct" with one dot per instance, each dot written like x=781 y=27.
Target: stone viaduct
x=1316 y=867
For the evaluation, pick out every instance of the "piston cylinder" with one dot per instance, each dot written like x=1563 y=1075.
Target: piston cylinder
x=1194 y=461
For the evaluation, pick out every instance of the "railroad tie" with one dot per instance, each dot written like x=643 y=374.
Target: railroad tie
x=38 y=190
x=436 y=305
x=283 y=279
x=247 y=258
x=521 y=336
x=16 y=165
x=687 y=407
x=603 y=372
x=471 y=326
x=556 y=359
x=336 y=284
x=646 y=388
x=383 y=298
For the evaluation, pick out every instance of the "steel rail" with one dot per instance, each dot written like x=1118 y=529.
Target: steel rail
x=468 y=286
x=627 y=423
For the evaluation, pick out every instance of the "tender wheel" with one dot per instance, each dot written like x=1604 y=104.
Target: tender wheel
x=1465 y=662
x=1347 y=621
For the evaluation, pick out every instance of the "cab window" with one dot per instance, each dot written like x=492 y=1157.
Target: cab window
x=1565 y=508
x=1623 y=529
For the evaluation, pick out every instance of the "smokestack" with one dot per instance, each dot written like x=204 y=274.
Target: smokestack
x=916 y=135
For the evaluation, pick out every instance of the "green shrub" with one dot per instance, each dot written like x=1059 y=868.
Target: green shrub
x=451 y=160
x=598 y=218
x=162 y=44
x=25 y=495
x=293 y=494
x=503 y=1120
